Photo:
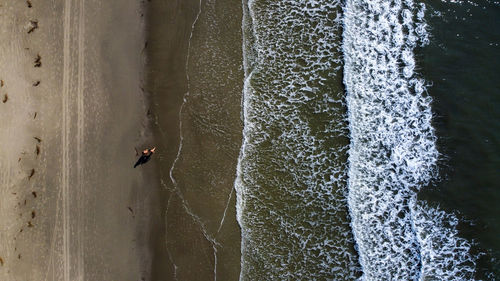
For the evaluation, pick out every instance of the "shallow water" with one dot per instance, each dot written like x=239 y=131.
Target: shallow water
x=292 y=172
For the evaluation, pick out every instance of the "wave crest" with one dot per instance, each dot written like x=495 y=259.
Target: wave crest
x=393 y=146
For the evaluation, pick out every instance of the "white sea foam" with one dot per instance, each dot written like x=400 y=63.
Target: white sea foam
x=444 y=255
x=393 y=151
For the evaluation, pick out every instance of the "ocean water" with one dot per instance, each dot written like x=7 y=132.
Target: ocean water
x=461 y=64
x=354 y=163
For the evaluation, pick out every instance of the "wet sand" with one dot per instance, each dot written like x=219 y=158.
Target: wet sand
x=195 y=79
x=71 y=205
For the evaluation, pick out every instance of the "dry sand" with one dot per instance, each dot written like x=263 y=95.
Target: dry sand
x=71 y=205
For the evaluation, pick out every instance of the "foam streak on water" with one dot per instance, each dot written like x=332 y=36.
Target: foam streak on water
x=393 y=152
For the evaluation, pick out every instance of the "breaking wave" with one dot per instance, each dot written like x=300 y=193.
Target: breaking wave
x=393 y=151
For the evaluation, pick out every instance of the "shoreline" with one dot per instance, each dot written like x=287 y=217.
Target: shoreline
x=159 y=57
x=195 y=79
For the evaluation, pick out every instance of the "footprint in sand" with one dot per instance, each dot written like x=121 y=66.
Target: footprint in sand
x=38 y=61
x=33 y=26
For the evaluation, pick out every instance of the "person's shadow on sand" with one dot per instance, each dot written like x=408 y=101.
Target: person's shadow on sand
x=145 y=157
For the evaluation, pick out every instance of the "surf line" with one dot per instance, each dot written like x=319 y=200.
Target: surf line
x=392 y=152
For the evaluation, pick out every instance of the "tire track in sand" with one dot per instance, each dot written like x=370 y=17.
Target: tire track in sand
x=73 y=259
x=66 y=259
x=64 y=195
x=80 y=138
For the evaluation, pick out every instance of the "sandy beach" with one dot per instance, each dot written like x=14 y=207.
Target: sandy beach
x=71 y=205
x=84 y=84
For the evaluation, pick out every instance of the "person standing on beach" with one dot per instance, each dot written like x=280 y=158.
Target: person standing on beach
x=146 y=155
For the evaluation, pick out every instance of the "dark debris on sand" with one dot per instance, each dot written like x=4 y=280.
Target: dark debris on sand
x=31 y=174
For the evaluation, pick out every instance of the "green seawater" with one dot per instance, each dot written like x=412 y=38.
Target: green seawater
x=461 y=62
